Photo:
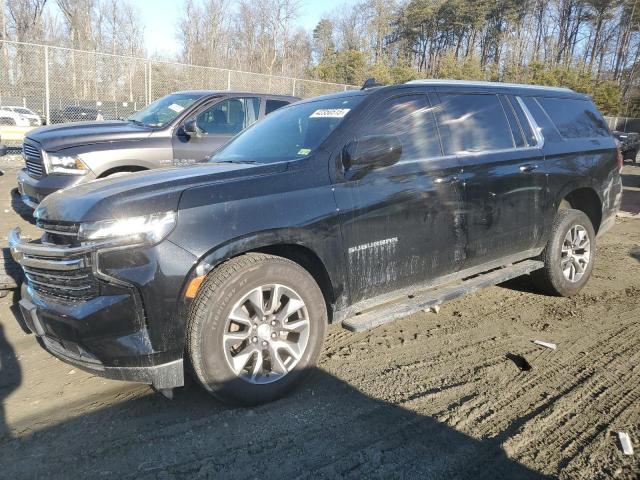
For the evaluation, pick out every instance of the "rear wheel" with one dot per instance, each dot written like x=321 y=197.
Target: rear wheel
x=569 y=255
x=256 y=328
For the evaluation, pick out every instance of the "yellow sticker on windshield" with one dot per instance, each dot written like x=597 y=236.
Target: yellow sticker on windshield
x=304 y=151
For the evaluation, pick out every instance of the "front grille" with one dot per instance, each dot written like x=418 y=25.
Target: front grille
x=33 y=159
x=69 y=277
x=33 y=122
x=78 y=284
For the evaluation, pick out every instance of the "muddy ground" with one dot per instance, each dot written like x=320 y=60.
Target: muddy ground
x=429 y=396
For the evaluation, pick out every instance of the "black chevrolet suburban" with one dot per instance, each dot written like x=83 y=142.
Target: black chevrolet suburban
x=181 y=128
x=359 y=208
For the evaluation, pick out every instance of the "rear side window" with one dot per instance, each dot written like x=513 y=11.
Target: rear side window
x=527 y=131
x=273 y=105
x=574 y=118
x=515 y=127
x=410 y=117
x=473 y=123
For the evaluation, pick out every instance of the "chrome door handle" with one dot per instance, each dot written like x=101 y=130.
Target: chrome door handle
x=446 y=180
x=528 y=168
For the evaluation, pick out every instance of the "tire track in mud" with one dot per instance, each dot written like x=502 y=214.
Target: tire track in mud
x=566 y=367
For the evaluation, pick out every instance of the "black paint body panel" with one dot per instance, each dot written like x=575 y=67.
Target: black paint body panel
x=395 y=226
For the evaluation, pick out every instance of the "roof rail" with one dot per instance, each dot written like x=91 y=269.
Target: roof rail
x=474 y=83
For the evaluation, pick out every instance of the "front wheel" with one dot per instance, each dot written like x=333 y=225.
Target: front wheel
x=256 y=328
x=569 y=255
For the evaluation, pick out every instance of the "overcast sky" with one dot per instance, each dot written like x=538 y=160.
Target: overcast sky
x=160 y=18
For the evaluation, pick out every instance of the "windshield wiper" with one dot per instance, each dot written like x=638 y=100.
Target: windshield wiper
x=137 y=122
x=235 y=161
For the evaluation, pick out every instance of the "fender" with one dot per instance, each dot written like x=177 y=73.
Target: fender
x=336 y=275
x=575 y=185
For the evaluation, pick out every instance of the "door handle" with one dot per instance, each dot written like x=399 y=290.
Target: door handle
x=528 y=168
x=446 y=180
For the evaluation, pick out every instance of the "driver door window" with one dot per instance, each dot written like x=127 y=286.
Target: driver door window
x=230 y=116
x=411 y=119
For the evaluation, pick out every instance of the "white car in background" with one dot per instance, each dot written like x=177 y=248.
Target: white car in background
x=19 y=116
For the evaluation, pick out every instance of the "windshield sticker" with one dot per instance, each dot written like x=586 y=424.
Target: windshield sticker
x=175 y=107
x=330 y=113
x=304 y=151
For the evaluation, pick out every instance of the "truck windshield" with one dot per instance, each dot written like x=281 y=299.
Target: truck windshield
x=164 y=110
x=288 y=133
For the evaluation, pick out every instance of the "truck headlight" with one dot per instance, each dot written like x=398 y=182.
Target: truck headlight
x=149 y=229
x=65 y=164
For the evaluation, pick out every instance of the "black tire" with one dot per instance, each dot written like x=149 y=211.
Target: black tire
x=551 y=279
x=218 y=294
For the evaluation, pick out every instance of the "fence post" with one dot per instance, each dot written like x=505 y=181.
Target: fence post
x=47 y=99
x=293 y=91
x=228 y=80
x=149 y=90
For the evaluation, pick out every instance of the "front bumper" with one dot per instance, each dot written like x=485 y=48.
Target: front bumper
x=107 y=334
x=34 y=190
x=165 y=375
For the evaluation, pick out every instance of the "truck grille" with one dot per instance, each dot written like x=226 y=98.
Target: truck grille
x=74 y=284
x=69 y=277
x=33 y=159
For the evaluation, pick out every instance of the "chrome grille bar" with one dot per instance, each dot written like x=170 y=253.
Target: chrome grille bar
x=33 y=159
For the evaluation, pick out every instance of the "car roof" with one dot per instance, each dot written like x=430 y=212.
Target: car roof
x=231 y=92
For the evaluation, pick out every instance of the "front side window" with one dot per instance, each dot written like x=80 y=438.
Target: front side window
x=473 y=123
x=164 y=110
x=411 y=119
x=289 y=133
x=229 y=116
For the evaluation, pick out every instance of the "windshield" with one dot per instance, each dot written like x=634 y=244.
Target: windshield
x=24 y=111
x=288 y=133
x=164 y=110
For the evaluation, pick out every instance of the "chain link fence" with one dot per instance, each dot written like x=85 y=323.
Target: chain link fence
x=62 y=84
x=623 y=124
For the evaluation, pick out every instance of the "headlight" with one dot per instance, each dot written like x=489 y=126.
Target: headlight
x=149 y=229
x=65 y=164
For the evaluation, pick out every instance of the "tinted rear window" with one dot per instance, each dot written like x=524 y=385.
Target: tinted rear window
x=473 y=123
x=273 y=105
x=574 y=118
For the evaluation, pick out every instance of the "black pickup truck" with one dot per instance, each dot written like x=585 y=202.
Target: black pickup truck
x=358 y=208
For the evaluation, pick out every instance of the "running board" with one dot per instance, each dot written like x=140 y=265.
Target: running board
x=422 y=300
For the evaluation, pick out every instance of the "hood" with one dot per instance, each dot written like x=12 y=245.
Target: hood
x=140 y=193
x=66 y=135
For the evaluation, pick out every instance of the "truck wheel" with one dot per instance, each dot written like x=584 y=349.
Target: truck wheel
x=255 y=328
x=569 y=255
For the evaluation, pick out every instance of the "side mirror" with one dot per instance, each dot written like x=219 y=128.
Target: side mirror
x=190 y=128
x=371 y=152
